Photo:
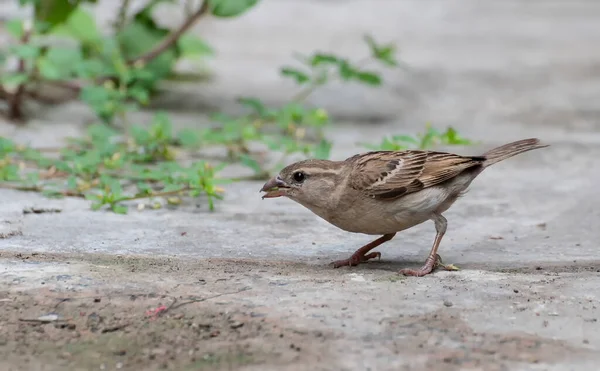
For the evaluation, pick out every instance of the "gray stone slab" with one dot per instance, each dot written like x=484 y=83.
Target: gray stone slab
x=498 y=71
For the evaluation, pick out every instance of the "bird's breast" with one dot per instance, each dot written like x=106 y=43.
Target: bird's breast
x=377 y=217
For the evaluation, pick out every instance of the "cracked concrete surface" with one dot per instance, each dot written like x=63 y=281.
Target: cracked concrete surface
x=525 y=236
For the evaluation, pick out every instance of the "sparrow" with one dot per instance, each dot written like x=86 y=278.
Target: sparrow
x=385 y=192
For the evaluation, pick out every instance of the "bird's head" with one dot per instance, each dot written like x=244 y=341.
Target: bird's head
x=305 y=181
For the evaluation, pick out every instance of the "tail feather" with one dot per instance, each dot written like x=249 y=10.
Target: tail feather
x=511 y=149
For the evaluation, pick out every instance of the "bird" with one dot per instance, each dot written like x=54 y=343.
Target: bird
x=385 y=192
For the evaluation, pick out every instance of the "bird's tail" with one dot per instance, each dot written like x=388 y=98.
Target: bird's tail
x=511 y=149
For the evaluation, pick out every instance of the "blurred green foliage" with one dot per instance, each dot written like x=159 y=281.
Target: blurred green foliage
x=117 y=72
x=430 y=138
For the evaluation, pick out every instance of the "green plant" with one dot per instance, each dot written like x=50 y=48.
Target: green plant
x=109 y=171
x=112 y=166
x=292 y=128
x=113 y=73
x=431 y=137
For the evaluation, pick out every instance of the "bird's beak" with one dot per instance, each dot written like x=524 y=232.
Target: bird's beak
x=275 y=187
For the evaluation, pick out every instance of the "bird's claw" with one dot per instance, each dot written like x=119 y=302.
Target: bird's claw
x=430 y=266
x=355 y=260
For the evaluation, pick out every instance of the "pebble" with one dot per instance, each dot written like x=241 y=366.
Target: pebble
x=236 y=325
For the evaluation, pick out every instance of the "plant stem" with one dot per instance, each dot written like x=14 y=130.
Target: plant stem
x=76 y=86
x=122 y=17
x=306 y=92
x=16 y=102
x=24 y=188
x=159 y=194
x=4 y=95
x=172 y=38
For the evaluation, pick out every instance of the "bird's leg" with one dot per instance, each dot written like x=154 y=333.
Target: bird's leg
x=361 y=255
x=433 y=259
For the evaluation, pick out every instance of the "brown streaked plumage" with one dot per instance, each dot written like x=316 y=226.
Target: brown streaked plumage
x=385 y=192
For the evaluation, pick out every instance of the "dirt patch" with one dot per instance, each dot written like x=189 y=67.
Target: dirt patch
x=448 y=343
x=543 y=267
x=154 y=314
x=142 y=332
x=9 y=229
x=95 y=311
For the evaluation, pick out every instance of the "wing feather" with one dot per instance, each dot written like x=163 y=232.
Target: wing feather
x=388 y=175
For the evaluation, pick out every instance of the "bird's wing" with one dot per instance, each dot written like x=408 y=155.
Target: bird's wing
x=389 y=175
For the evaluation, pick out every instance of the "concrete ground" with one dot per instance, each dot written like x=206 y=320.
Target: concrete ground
x=525 y=236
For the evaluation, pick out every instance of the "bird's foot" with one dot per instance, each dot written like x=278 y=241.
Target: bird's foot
x=430 y=265
x=356 y=259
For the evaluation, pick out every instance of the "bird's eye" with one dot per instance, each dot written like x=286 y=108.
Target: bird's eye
x=298 y=176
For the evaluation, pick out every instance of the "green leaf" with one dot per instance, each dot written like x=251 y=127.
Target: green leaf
x=97 y=205
x=139 y=134
x=139 y=94
x=430 y=138
x=143 y=188
x=81 y=26
x=405 y=139
x=248 y=161
x=391 y=146
x=54 y=12
x=95 y=94
x=14 y=28
x=348 y=72
x=368 y=78
x=72 y=182
x=452 y=137
x=49 y=70
x=26 y=51
x=295 y=74
x=32 y=178
x=345 y=70
x=137 y=39
x=317 y=118
x=60 y=55
x=161 y=126
x=272 y=143
x=104 y=101
x=321 y=58
x=93 y=197
x=119 y=209
x=88 y=69
x=14 y=79
x=6 y=146
x=384 y=54
x=291 y=113
x=101 y=133
x=9 y=173
x=230 y=8
x=323 y=150
x=188 y=138
x=249 y=132
x=193 y=46
x=254 y=104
